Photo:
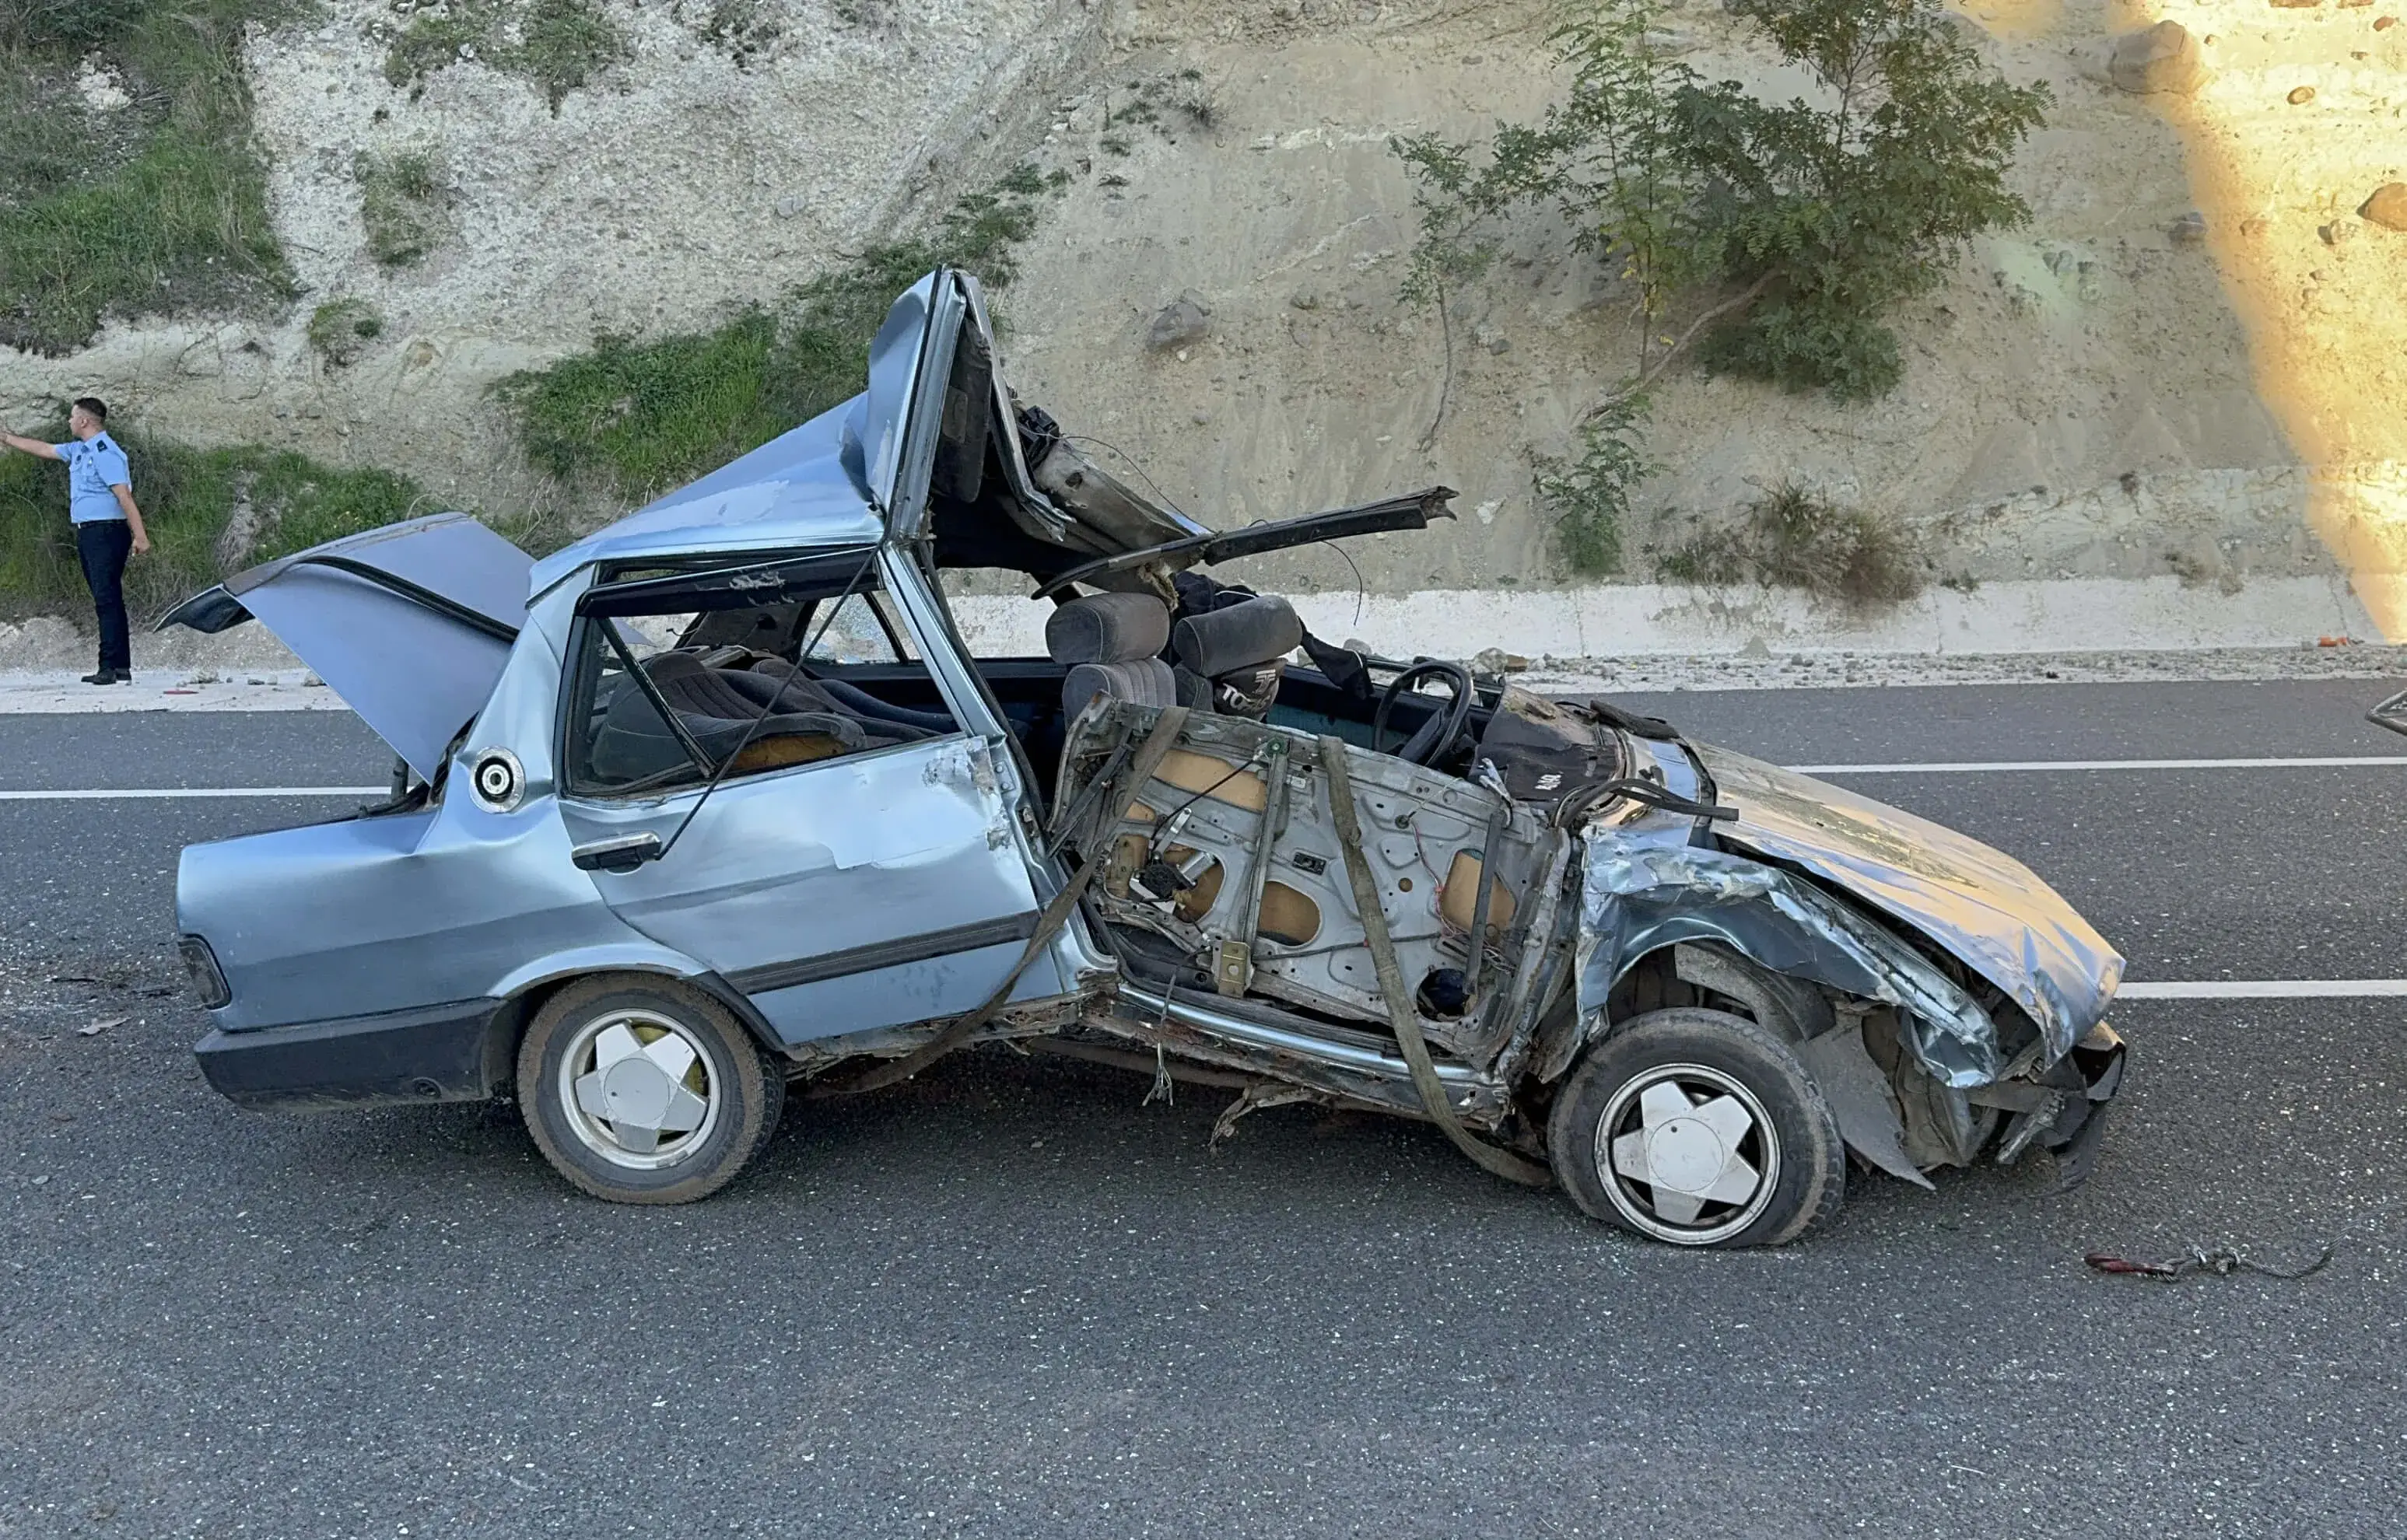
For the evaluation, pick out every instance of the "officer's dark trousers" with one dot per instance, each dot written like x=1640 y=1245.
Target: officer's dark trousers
x=104 y=545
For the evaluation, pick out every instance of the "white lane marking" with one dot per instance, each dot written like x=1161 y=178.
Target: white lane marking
x=2262 y=989
x=111 y=795
x=1980 y=767
x=2170 y=989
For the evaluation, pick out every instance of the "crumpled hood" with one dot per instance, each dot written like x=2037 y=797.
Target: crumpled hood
x=1985 y=906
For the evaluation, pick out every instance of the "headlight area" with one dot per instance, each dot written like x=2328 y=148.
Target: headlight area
x=201 y=966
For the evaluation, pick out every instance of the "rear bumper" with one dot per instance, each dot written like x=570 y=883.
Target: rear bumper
x=430 y=1054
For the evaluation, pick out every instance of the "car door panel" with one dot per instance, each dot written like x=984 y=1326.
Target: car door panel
x=801 y=885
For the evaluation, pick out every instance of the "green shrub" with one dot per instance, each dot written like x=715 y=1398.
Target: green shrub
x=560 y=44
x=1813 y=220
x=1793 y=538
x=1842 y=211
x=189 y=497
x=157 y=207
x=744 y=30
x=1589 y=495
x=403 y=205
x=341 y=329
x=631 y=419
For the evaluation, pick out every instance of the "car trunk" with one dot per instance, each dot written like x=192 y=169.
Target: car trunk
x=409 y=623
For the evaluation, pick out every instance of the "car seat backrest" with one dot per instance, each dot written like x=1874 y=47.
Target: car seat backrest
x=1107 y=628
x=1231 y=660
x=1112 y=644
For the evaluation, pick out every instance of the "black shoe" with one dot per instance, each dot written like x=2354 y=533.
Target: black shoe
x=109 y=676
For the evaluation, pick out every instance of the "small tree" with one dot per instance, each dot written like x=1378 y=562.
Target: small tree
x=1834 y=212
x=1604 y=156
x=1621 y=182
x=1811 y=220
x=1459 y=204
x=1817 y=216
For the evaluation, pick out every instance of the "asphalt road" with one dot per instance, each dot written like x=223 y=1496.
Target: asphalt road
x=1005 y=1299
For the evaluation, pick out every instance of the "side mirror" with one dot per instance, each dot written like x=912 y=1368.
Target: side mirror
x=624 y=852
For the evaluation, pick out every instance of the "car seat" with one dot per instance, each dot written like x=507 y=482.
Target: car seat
x=858 y=701
x=1231 y=658
x=1112 y=644
x=721 y=708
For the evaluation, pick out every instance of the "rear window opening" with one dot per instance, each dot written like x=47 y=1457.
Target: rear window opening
x=775 y=664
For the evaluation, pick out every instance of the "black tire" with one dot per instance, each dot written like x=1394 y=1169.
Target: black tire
x=740 y=1091
x=1790 y=1144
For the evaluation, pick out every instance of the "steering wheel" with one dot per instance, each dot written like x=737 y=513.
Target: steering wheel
x=1438 y=733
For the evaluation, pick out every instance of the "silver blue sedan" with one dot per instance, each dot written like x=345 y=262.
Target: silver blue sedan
x=718 y=803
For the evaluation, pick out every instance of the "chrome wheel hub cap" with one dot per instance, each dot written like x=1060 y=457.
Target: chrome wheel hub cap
x=1687 y=1155
x=637 y=1090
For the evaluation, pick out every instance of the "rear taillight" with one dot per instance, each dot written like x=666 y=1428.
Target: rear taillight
x=201 y=964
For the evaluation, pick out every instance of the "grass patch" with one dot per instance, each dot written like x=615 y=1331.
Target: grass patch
x=555 y=45
x=341 y=329
x=156 y=203
x=637 y=417
x=629 y=419
x=404 y=205
x=744 y=30
x=211 y=512
x=429 y=41
x=563 y=44
x=1793 y=538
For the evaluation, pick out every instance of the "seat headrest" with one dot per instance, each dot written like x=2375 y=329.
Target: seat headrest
x=1107 y=628
x=1260 y=631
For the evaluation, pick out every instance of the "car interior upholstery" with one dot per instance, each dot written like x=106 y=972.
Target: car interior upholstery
x=1111 y=646
x=1222 y=649
x=1233 y=657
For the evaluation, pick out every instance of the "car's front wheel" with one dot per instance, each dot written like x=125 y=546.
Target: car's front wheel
x=1700 y=1129
x=643 y=1091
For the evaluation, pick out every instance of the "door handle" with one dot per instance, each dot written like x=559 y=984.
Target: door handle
x=621 y=853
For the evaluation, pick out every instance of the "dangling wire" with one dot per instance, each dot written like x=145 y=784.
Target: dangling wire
x=1164 y=1086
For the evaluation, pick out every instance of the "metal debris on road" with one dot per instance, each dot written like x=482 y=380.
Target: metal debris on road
x=94 y=1029
x=2223 y=1261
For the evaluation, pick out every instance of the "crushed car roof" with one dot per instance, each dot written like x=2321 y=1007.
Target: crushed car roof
x=802 y=488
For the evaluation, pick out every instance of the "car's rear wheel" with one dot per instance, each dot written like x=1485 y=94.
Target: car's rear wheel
x=644 y=1091
x=1700 y=1129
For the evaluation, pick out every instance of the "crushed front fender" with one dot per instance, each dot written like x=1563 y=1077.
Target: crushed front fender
x=1645 y=887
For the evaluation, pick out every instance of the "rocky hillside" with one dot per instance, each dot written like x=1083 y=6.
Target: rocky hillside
x=2185 y=363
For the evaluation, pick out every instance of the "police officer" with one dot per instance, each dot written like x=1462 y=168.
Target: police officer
x=108 y=525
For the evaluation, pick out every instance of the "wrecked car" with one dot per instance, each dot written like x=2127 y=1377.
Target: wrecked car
x=716 y=807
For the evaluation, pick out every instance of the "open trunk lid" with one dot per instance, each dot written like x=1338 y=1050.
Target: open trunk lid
x=409 y=623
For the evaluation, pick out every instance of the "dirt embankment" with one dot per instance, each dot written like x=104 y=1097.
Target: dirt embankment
x=2081 y=398
x=2078 y=400
x=2296 y=127
x=693 y=176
